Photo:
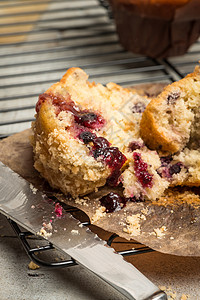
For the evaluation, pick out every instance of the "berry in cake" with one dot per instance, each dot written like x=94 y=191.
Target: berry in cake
x=113 y=202
x=141 y=180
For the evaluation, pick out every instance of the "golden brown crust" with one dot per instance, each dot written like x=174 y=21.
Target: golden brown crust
x=152 y=134
x=155 y=135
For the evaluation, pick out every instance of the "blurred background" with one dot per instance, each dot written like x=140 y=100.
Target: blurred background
x=39 y=40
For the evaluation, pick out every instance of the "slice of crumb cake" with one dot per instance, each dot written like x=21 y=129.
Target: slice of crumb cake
x=85 y=135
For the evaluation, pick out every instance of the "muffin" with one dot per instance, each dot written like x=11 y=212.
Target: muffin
x=171 y=124
x=171 y=120
x=157 y=28
x=87 y=135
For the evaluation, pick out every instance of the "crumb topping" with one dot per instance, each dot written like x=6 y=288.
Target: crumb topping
x=100 y=213
x=133 y=225
x=160 y=232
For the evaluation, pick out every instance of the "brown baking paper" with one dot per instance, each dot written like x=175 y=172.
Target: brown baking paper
x=181 y=219
x=177 y=213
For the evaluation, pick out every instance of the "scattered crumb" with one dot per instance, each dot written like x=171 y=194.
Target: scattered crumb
x=81 y=225
x=81 y=201
x=47 y=226
x=171 y=238
x=33 y=266
x=33 y=189
x=44 y=233
x=32 y=206
x=100 y=213
x=133 y=225
x=160 y=231
x=74 y=232
x=172 y=295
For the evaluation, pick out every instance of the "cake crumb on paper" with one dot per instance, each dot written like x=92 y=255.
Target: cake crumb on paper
x=160 y=232
x=74 y=232
x=81 y=201
x=172 y=295
x=133 y=225
x=100 y=213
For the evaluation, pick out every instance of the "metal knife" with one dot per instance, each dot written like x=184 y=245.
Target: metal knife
x=30 y=208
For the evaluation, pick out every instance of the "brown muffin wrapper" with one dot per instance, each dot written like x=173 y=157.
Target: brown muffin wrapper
x=155 y=36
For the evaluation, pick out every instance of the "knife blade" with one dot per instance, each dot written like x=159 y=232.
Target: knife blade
x=30 y=208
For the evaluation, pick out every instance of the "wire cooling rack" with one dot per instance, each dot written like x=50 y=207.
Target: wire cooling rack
x=39 y=40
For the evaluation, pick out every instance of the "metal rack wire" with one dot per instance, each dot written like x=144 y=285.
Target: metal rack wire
x=39 y=40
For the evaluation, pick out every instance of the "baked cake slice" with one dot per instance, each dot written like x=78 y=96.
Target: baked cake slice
x=85 y=135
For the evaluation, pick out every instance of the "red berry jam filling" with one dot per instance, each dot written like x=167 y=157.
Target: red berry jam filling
x=176 y=168
x=86 y=121
x=168 y=168
x=134 y=145
x=141 y=172
x=89 y=120
x=113 y=158
x=87 y=137
x=42 y=98
x=113 y=202
x=82 y=117
x=136 y=199
x=100 y=143
x=58 y=210
x=102 y=151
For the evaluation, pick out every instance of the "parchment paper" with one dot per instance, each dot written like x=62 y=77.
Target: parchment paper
x=178 y=211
